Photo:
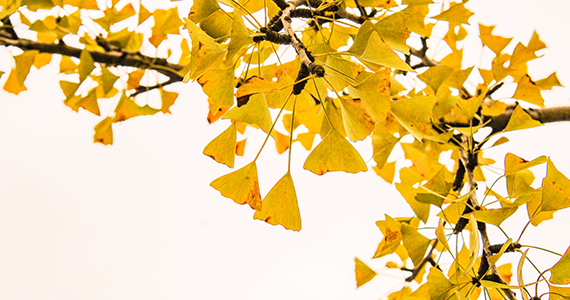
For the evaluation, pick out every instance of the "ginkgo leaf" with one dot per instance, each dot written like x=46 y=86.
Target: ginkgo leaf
x=528 y=91
x=357 y=122
x=374 y=92
x=387 y=171
x=253 y=85
x=86 y=65
x=555 y=190
x=521 y=55
x=334 y=153
x=408 y=192
x=435 y=190
x=495 y=43
x=218 y=84
x=255 y=112
x=240 y=36
x=280 y=206
x=561 y=270
x=217 y=25
x=168 y=99
x=222 y=148
x=378 y=52
x=242 y=186
x=441 y=235
x=15 y=82
x=494 y=216
x=414 y=114
x=127 y=108
x=438 y=285
x=416 y=244
x=394 y=32
x=205 y=52
x=166 y=21
x=515 y=164
x=144 y=13
x=392 y=236
x=104 y=132
x=474 y=243
x=435 y=76
x=202 y=9
x=548 y=83
x=382 y=144
x=457 y=14
x=363 y=272
x=559 y=292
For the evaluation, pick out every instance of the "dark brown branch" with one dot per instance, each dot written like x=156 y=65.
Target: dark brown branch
x=112 y=58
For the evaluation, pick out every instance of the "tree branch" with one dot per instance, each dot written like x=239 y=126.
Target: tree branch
x=111 y=58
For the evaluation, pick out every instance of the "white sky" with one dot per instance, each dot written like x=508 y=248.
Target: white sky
x=138 y=220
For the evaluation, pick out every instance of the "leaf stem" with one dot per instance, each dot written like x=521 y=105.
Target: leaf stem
x=272 y=126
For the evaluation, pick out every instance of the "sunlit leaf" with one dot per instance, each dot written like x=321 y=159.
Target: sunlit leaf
x=528 y=91
x=242 y=186
x=363 y=273
x=222 y=148
x=414 y=114
x=435 y=76
x=415 y=243
x=392 y=236
x=218 y=84
x=334 y=153
x=374 y=93
x=205 y=52
x=280 y=206
x=494 y=216
x=495 y=43
x=166 y=21
x=515 y=164
x=548 y=83
x=357 y=123
x=104 y=132
x=561 y=270
x=455 y=14
x=254 y=112
x=15 y=82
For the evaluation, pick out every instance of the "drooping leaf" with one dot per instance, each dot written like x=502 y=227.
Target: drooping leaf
x=494 y=216
x=127 y=108
x=441 y=235
x=357 y=122
x=222 y=148
x=515 y=164
x=86 y=65
x=474 y=243
x=555 y=190
x=392 y=236
x=254 y=112
x=205 y=52
x=363 y=272
x=561 y=270
x=334 y=153
x=239 y=37
x=414 y=114
x=15 y=82
x=416 y=244
x=104 y=132
x=242 y=186
x=438 y=285
x=528 y=91
x=374 y=92
x=435 y=76
x=382 y=144
x=280 y=206
x=218 y=84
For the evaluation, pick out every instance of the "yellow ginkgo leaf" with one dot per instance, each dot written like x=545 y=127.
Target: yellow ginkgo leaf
x=561 y=270
x=253 y=85
x=514 y=163
x=240 y=36
x=241 y=185
x=438 y=284
x=495 y=43
x=528 y=91
x=104 y=132
x=222 y=148
x=168 y=99
x=414 y=114
x=334 y=153
x=280 y=206
x=374 y=91
x=205 y=52
x=456 y=14
x=357 y=122
x=86 y=65
x=494 y=216
x=127 y=108
x=363 y=272
x=416 y=244
x=15 y=82
x=549 y=82
x=255 y=112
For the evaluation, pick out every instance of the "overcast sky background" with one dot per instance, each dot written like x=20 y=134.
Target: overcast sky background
x=138 y=220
